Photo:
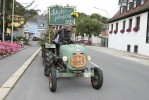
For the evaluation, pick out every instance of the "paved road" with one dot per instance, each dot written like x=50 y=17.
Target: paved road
x=123 y=80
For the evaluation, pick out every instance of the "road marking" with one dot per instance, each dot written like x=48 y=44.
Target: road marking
x=10 y=83
x=95 y=65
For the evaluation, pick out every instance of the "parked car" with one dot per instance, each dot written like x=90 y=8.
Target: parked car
x=85 y=42
x=36 y=39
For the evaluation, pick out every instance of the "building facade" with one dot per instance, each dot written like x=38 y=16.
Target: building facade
x=129 y=27
x=42 y=23
x=31 y=28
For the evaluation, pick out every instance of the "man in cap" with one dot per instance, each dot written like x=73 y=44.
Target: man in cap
x=64 y=35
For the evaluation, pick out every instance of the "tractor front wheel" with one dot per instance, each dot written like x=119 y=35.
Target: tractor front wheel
x=52 y=80
x=97 y=79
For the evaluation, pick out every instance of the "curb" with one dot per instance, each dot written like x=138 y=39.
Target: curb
x=10 y=83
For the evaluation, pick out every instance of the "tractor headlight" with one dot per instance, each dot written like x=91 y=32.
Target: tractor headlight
x=65 y=58
x=88 y=58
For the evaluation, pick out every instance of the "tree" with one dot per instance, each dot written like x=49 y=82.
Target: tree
x=19 y=10
x=100 y=18
x=88 y=26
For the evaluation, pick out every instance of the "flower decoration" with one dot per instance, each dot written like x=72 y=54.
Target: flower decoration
x=129 y=29
x=122 y=31
x=135 y=29
x=74 y=14
x=7 y=48
x=115 y=31
x=110 y=32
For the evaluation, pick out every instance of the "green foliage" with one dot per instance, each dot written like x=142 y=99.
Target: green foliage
x=18 y=10
x=46 y=37
x=100 y=18
x=87 y=25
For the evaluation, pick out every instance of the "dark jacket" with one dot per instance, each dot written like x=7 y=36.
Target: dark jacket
x=63 y=35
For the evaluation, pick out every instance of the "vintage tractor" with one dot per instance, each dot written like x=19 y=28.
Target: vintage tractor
x=71 y=62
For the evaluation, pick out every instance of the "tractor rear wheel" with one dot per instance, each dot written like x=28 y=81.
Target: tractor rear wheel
x=43 y=55
x=97 y=79
x=52 y=80
x=48 y=61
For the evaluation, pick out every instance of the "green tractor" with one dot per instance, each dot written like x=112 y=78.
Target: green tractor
x=72 y=58
x=71 y=62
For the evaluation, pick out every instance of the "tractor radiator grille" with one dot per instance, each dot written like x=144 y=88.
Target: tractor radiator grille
x=78 y=60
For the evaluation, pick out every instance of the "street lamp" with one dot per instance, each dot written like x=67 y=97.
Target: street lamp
x=12 y=21
x=3 y=37
x=107 y=23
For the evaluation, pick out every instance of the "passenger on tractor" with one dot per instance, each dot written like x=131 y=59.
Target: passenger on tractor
x=63 y=36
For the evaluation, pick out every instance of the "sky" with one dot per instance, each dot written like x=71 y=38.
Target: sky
x=106 y=8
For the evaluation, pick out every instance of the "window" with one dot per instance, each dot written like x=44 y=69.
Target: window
x=124 y=25
x=138 y=21
x=41 y=24
x=147 y=36
x=134 y=3
x=123 y=6
x=111 y=27
x=128 y=48
x=135 y=49
x=138 y=3
x=116 y=26
x=130 y=23
x=142 y=2
x=127 y=5
x=130 y=4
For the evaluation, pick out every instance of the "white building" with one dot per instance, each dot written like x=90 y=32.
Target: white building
x=129 y=27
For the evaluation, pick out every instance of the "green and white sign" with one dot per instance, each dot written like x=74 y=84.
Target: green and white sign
x=59 y=15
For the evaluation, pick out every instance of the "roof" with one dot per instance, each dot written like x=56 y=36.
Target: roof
x=33 y=19
x=132 y=12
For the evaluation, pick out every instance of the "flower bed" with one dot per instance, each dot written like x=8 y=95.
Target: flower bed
x=122 y=31
x=7 y=48
x=135 y=29
x=128 y=29
x=115 y=31
x=110 y=32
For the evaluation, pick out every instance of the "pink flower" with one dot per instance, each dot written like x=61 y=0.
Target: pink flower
x=122 y=31
x=115 y=31
x=8 y=47
x=135 y=29
x=128 y=30
x=110 y=31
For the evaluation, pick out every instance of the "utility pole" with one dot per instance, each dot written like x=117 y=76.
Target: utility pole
x=12 y=22
x=106 y=23
x=3 y=37
x=0 y=14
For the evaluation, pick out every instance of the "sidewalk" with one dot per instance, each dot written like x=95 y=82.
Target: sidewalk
x=123 y=54
x=10 y=64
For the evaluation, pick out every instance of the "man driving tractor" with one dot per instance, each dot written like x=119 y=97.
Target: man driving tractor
x=63 y=35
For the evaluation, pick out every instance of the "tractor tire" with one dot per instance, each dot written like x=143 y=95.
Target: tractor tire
x=52 y=80
x=97 y=79
x=48 y=61
x=42 y=53
x=43 y=56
